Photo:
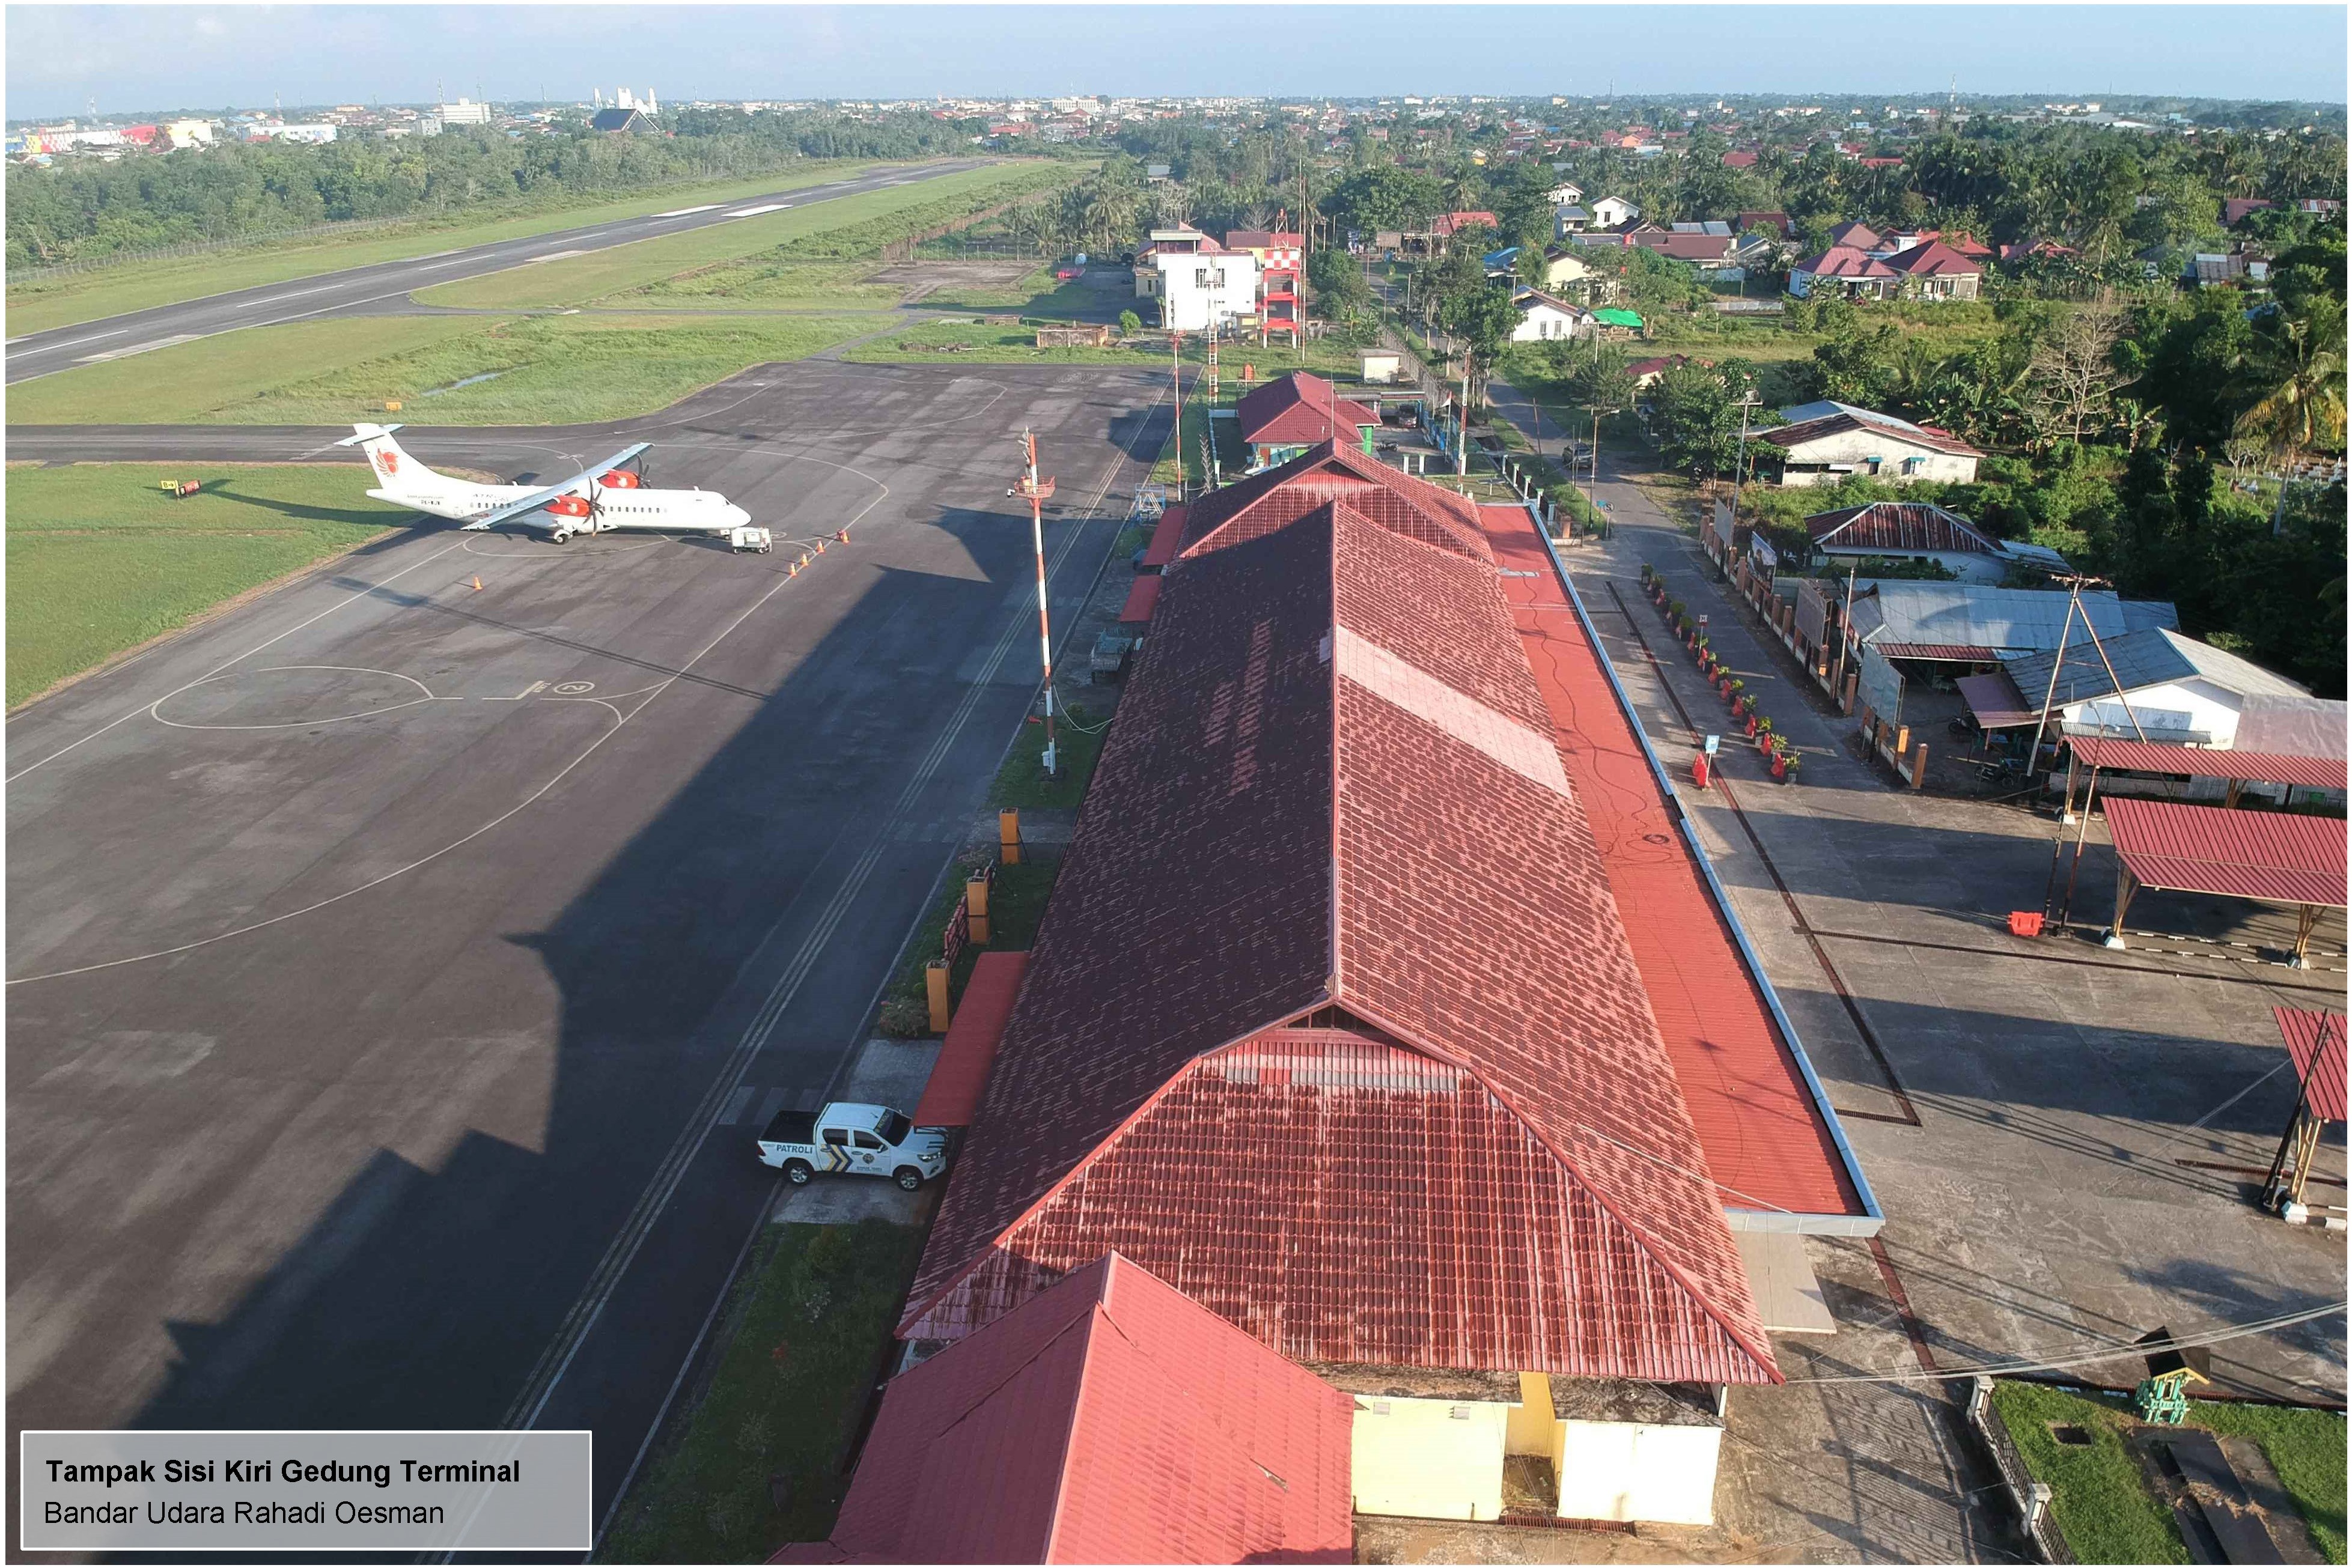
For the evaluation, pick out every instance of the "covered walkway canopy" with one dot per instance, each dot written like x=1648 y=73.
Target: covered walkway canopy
x=2269 y=856
x=1996 y=702
x=2314 y=1042
x=2207 y=762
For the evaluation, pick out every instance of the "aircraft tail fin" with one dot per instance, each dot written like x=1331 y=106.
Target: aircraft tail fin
x=400 y=474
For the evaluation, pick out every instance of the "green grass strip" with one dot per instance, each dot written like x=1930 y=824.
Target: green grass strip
x=99 y=560
x=810 y=1321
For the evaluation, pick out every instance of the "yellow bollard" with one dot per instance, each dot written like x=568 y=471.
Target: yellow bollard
x=935 y=985
x=391 y=405
x=1919 y=766
x=975 y=907
x=1008 y=836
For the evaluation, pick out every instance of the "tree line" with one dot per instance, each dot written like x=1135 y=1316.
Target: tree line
x=83 y=207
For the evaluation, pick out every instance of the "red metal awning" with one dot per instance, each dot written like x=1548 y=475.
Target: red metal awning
x=2204 y=762
x=1165 y=537
x=2321 y=1034
x=962 y=1070
x=1996 y=701
x=2268 y=855
x=1141 y=600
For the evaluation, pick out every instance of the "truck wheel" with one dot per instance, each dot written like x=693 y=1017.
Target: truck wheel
x=908 y=1177
x=798 y=1172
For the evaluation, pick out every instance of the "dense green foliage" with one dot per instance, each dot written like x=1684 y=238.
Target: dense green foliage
x=83 y=208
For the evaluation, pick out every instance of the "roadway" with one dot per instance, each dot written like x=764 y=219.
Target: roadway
x=386 y=287
x=389 y=956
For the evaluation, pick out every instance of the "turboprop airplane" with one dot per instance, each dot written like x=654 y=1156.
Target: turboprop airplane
x=603 y=498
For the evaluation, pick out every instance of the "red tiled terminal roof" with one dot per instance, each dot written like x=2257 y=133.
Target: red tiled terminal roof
x=1332 y=1022
x=1769 y=1143
x=1107 y=1420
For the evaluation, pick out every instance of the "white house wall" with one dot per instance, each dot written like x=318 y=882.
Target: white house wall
x=1429 y=1459
x=1624 y=1471
x=1852 y=449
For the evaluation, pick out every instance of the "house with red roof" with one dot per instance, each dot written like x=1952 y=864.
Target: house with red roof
x=1285 y=416
x=1844 y=269
x=1107 y=1419
x=1936 y=271
x=1738 y=159
x=1334 y=1026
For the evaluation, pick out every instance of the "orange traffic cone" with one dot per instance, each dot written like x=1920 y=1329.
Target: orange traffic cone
x=842 y=536
x=478 y=582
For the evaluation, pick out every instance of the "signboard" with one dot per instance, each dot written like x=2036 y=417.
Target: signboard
x=1760 y=551
x=1713 y=742
x=1812 y=611
x=1881 y=686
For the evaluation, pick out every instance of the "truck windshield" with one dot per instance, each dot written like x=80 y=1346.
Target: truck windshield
x=894 y=1128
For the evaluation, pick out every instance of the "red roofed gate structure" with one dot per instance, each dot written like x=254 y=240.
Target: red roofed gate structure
x=1331 y=1023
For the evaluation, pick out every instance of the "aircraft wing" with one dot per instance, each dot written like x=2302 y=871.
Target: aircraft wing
x=572 y=486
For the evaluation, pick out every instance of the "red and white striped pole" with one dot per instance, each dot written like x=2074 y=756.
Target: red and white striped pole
x=1037 y=491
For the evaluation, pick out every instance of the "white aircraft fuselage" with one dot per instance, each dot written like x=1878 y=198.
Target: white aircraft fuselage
x=591 y=503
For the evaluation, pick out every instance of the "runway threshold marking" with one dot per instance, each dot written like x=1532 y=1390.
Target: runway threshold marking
x=755 y=212
x=613 y=1266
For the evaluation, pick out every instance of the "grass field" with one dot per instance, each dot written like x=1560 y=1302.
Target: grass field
x=2104 y=1512
x=616 y=275
x=100 y=561
x=546 y=370
x=139 y=286
x=1016 y=903
x=808 y=1326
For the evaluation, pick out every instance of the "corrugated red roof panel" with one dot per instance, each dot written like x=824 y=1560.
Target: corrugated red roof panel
x=1768 y=1144
x=1142 y=599
x=2206 y=762
x=2319 y=1034
x=1898 y=526
x=1842 y=423
x=952 y=1092
x=2268 y=855
x=1300 y=408
x=1108 y=1419
x=1329 y=788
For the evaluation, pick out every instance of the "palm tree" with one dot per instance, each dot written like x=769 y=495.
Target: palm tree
x=2296 y=374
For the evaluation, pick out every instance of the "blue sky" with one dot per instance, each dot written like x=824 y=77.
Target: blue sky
x=147 y=57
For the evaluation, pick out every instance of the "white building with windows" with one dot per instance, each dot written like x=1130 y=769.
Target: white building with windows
x=1197 y=281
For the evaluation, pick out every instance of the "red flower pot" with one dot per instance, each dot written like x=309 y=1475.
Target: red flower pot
x=1751 y=724
x=1779 y=766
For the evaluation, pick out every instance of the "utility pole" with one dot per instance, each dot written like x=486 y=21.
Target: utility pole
x=1176 y=375
x=1036 y=490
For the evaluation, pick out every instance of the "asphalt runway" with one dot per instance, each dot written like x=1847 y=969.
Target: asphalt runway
x=397 y=969
x=385 y=287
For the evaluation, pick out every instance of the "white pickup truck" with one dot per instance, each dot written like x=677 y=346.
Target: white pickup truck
x=854 y=1140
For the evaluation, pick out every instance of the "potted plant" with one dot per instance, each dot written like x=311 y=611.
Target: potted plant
x=1763 y=733
x=1732 y=687
x=1790 y=762
x=1646 y=574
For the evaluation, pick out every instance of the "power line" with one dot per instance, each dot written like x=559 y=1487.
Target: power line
x=2109 y=1350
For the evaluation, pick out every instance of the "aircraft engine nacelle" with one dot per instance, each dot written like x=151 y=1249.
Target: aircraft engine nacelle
x=569 y=506
x=620 y=479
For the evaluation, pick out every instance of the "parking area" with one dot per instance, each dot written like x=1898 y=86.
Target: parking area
x=385 y=952
x=2065 y=1140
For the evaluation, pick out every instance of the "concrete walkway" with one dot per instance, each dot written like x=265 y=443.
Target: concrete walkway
x=2063 y=1140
